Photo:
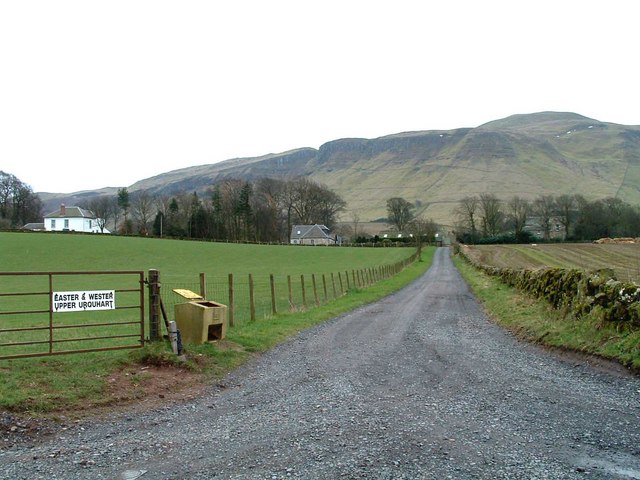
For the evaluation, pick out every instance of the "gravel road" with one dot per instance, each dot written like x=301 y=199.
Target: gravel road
x=420 y=385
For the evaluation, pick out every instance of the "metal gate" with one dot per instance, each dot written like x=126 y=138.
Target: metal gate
x=56 y=313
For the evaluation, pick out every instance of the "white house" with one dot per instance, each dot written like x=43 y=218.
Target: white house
x=312 y=235
x=73 y=219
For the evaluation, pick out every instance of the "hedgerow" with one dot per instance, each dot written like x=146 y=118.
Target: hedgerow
x=597 y=293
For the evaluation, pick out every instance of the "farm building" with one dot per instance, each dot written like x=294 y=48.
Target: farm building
x=34 y=227
x=73 y=219
x=312 y=235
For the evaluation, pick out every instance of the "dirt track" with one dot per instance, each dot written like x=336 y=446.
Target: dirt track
x=418 y=385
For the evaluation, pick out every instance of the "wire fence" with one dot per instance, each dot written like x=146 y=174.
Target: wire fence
x=252 y=298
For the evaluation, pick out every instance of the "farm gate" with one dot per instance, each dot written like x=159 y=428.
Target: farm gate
x=55 y=313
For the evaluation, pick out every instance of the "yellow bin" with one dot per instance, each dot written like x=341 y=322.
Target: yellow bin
x=201 y=321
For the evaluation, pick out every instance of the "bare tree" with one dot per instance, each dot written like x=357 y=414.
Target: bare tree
x=103 y=207
x=399 y=213
x=519 y=209
x=544 y=208
x=266 y=205
x=18 y=203
x=492 y=216
x=423 y=231
x=355 y=219
x=142 y=207
x=307 y=202
x=565 y=206
x=466 y=213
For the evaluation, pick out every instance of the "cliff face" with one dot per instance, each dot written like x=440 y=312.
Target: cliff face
x=525 y=155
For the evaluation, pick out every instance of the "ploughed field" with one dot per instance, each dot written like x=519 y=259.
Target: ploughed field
x=624 y=259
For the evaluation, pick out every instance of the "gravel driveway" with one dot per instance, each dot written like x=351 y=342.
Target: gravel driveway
x=420 y=385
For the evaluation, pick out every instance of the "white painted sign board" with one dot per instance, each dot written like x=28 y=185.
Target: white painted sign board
x=81 y=301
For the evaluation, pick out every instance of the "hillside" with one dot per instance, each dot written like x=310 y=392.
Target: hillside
x=526 y=155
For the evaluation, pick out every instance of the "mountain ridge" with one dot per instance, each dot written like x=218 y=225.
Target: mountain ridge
x=523 y=154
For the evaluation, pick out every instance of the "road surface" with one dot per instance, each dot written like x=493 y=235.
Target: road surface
x=420 y=385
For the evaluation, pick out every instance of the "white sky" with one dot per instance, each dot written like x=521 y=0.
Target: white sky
x=105 y=93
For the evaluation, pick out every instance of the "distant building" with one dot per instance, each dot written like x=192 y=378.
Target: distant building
x=72 y=219
x=36 y=227
x=312 y=235
x=534 y=226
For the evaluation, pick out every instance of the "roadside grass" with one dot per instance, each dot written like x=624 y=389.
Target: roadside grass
x=80 y=383
x=536 y=321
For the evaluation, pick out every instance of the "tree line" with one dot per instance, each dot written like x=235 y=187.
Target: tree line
x=18 y=204
x=486 y=218
x=263 y=210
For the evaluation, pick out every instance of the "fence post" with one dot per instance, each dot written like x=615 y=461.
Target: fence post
x=154 y=305
x=290 y=292
x=252 y=304
x=315 y=289
x=333 y=284
x=203 y=285
x=346 y=274
x=304 y=292
x=341 y=286
x=231 y=300
x=353 y=275
x=324 y=287
x=274 y=307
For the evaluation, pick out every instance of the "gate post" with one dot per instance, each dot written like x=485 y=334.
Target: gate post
x=154 y=305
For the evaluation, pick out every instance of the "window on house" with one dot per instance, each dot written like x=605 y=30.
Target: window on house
x=53 y=224
x=66 y=223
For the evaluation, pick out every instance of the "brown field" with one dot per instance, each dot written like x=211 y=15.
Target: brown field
x=623 y=258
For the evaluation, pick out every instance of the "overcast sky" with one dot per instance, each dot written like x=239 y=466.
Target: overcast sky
x=105 y=93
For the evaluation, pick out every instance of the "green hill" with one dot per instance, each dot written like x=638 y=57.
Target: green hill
x=526 y=155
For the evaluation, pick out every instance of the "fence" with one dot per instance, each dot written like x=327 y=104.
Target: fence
x=250 y=298
x=55 y=313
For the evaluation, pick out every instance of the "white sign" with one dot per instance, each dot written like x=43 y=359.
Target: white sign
x=82 y=301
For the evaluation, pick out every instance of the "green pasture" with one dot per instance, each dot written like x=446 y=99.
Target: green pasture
x=180 y=264
x=51 y=383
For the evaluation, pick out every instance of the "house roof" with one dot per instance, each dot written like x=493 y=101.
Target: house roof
x=299 y=232
x=71 y=212
x=33 y=226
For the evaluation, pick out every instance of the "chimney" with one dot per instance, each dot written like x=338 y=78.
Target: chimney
x=63 y=210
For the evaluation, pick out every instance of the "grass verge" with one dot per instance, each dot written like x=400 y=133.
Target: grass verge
x=75 y=385
x=536 y=321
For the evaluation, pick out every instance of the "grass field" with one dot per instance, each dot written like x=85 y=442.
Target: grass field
x=624 y=259
x=51 y=383
x=181 y=262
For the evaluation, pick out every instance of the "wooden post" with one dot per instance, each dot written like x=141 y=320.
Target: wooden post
x=304 y=292
x=252 y=305
x=274 y=307
x=154 y=305
x=341 y=286
x=324 y=287
x=290 y=292
x=346 y=274
x=353 y=276
x=315 y=289
x=231 y=300
x=333 y=284
x=203 y=285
